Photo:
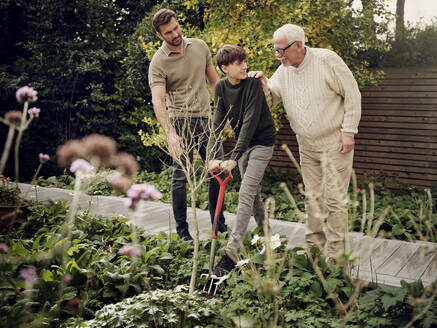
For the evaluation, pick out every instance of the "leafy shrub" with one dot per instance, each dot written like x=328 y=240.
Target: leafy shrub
x=158 y=308
x=416 y=48
x=9 y=195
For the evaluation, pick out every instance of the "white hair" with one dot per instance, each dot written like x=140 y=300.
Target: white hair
x=291 y=32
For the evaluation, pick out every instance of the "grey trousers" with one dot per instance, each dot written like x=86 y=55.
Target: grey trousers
x=252 y=166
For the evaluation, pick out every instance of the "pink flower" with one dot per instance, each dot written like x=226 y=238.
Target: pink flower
x=34 y=112
x=3 y=248
x=358 y=189
x=141 y=191
x=29 y=275
x=118 y=182
x=129 y=250
x=43 y=158
x=67 y=278
x=26 y=94
x=80 y=165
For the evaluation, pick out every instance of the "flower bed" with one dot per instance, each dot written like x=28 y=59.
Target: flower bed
x=96 y=282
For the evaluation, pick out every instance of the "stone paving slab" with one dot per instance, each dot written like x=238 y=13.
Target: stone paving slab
x=380 y=260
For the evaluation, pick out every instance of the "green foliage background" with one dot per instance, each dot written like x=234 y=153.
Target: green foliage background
x=88 y=59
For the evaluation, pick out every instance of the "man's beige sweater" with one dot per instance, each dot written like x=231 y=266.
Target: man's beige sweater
x=321 y=98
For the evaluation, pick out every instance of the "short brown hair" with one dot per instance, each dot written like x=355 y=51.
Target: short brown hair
x=229 y=54
x=162 y=17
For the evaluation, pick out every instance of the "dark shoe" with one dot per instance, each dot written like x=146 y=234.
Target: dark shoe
x=222 y=228
x=224 y=267
x=185 y=235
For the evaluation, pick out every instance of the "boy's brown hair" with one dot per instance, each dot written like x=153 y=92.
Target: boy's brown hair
x=162 y=17
x=229 y=54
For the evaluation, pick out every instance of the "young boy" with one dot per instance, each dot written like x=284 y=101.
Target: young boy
x=241 y=100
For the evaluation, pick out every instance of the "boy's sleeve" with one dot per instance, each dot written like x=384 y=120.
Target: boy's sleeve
x=218 y=123
x=252 y=113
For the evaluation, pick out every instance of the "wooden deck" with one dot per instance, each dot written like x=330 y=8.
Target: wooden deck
x=379 y=261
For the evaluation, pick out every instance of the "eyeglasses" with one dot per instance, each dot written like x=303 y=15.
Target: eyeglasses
x=282 y=50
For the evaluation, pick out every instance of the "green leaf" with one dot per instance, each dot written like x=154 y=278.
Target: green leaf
x=316 y=289
x=72 y=265
x=47 y=275
x=158 y=268
x=74 y=249
x=69 y=293
x=166 y=256
x=388 y=301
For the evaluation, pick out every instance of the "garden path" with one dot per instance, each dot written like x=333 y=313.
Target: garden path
x=380 y=260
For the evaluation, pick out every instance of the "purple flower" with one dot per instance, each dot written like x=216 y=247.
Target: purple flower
x=43 y=158
x=29 y=275
x=3 y=248
x=34 y=112
x=141 y=191
x=26 y=94
x=129 y=250
x=80 y=165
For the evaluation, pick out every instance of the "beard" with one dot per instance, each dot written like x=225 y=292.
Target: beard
x=175 y=41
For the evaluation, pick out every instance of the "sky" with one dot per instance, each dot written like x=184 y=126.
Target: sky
x=415 y=10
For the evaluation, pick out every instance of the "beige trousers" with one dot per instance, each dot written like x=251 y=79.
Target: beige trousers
x=326 y=177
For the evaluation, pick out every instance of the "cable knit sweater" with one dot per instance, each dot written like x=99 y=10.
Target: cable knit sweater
x=321 y=98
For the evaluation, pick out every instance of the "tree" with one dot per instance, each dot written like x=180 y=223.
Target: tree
x=72 y=53
x=400 y=26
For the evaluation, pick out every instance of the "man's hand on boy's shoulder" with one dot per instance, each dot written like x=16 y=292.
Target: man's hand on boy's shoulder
x=258 y=75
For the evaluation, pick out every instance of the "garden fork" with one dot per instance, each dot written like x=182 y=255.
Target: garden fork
x=218 y=208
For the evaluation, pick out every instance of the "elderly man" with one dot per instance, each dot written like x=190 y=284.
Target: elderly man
x=323 y=104
x=181 y=101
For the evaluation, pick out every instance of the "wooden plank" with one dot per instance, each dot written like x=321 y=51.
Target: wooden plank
x=417 y=263
x=359 y=157
x=388 y=100
x=430 y=274
x=395 y=137
x=408 y=113
x=426 y=82
x=400 y=175
x=405 y=88
x=412 y=171
x=404 y=151
x=395 y=94
x=399 y=106
x=384 y=118
x=401 y=133
x=385 y=125
x=389 y=153
x=375 y=251
x=412 y=74
x=361 y=139
x=398 y=259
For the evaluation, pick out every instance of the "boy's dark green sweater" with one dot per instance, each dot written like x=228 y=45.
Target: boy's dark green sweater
x=245 y=106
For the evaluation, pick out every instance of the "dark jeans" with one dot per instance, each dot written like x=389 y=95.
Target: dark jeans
x=195 y=134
